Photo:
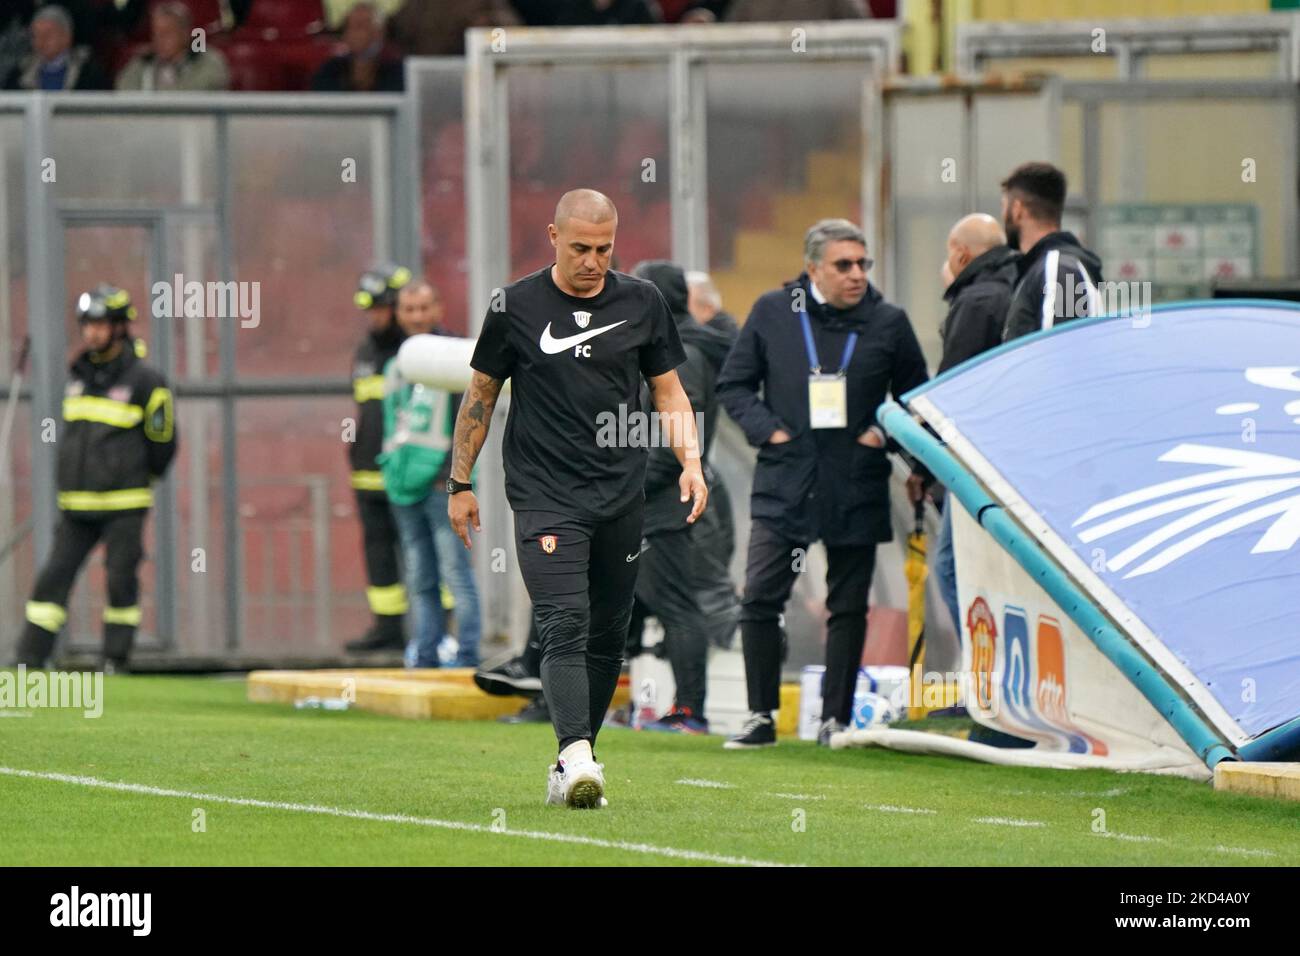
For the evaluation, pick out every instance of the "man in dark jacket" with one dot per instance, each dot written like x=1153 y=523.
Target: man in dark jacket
x=673 y=562
x=377 y=296
x=1058 y=278
x=979 y=296
x=812 y=364
x=117 y=439
x=367 y=66
x=55 y=64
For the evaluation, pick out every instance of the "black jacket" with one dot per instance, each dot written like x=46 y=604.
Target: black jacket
x=335 y=76
x=118 y=436
x=83 y=73
x=978 y=300
x=1075 y=267
x=822 y=484
x=368 y=389
x=724 y=322
x=706 y=350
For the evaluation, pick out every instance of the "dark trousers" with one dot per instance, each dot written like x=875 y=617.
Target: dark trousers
x=667 y=587
x=580 y=580
x=123 y=535
x=769 y=576
x=386 y=594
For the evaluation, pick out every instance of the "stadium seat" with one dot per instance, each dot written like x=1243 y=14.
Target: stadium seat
x=285 y=18
x=300 y=59
x=253 y=66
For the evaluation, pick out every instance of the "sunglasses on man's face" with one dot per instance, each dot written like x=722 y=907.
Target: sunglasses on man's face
x=842 y=266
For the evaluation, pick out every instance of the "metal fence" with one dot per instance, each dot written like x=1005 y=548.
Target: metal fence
x=289 y=194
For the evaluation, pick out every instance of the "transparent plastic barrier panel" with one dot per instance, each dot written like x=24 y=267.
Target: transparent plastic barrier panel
x=596 y=126
x=304 y=582
x=303 y=222
x=1220 y=165
x=443 y=253
x=13 y=241
x=928 y=131
x=784 y=148
x=135 y=159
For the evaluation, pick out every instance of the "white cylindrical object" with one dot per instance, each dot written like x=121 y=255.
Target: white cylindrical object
x=438 y=361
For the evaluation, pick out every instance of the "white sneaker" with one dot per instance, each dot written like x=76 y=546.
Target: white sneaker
x=555 y=787
x=579 y=784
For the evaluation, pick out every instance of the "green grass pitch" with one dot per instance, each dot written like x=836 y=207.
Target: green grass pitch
x=279 y=786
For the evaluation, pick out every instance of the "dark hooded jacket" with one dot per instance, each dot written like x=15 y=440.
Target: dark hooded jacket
x=1075 y=267
x=977 y=306
x=822 y=484
x=706 y=350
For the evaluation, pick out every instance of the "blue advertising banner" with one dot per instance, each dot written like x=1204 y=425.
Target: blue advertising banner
x=1157 y=458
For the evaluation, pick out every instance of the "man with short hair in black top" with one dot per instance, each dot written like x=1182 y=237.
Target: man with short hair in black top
x=575 y=339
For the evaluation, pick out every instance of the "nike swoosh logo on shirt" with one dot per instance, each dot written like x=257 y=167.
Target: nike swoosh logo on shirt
x=554 y=346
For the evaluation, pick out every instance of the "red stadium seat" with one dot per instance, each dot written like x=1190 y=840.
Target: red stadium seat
x=253 y=66
x=285 y=18
x=302 y=58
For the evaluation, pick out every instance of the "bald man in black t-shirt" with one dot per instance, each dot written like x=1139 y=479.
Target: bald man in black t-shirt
x=576 y=339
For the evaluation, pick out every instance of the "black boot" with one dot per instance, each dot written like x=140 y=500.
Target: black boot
x=384 y=635
x=34 y=647
x=534 y=712
x=118 y=639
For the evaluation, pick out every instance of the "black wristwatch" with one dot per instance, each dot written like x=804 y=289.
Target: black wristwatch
x=455 y=487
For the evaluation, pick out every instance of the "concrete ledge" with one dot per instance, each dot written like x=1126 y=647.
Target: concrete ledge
x=433 y=694
x=1277 y=781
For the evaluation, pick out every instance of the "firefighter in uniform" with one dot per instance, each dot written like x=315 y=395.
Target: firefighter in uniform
x=386 y=595
x=117 y=440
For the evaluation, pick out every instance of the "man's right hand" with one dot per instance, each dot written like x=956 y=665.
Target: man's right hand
x=779 y=437
x=462 y=509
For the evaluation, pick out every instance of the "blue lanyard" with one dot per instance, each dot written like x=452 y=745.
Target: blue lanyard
x=814 y=365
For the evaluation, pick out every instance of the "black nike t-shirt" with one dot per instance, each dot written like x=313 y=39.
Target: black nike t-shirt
x=572 y=363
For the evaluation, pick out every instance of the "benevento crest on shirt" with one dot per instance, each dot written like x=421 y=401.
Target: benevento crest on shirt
x=582 y=318
x=548 y=540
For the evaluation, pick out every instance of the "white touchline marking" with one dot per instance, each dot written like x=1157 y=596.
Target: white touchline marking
x=796 y=796
x=1112 y=792
x=1243 y=851
x=1131 y=837
x=886 y=808
x=646 y=848
x=1008 y=822
x=708 y=784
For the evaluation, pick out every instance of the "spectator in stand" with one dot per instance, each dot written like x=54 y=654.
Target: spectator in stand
x=422 y=28
x=172 y=62
x=14 y=45
x=693 y=11
x=750 y=11
x=367 y=67
x=336 y=11
x=54 y=63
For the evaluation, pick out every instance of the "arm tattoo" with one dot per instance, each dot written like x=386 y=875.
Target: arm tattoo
x=472 y=424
